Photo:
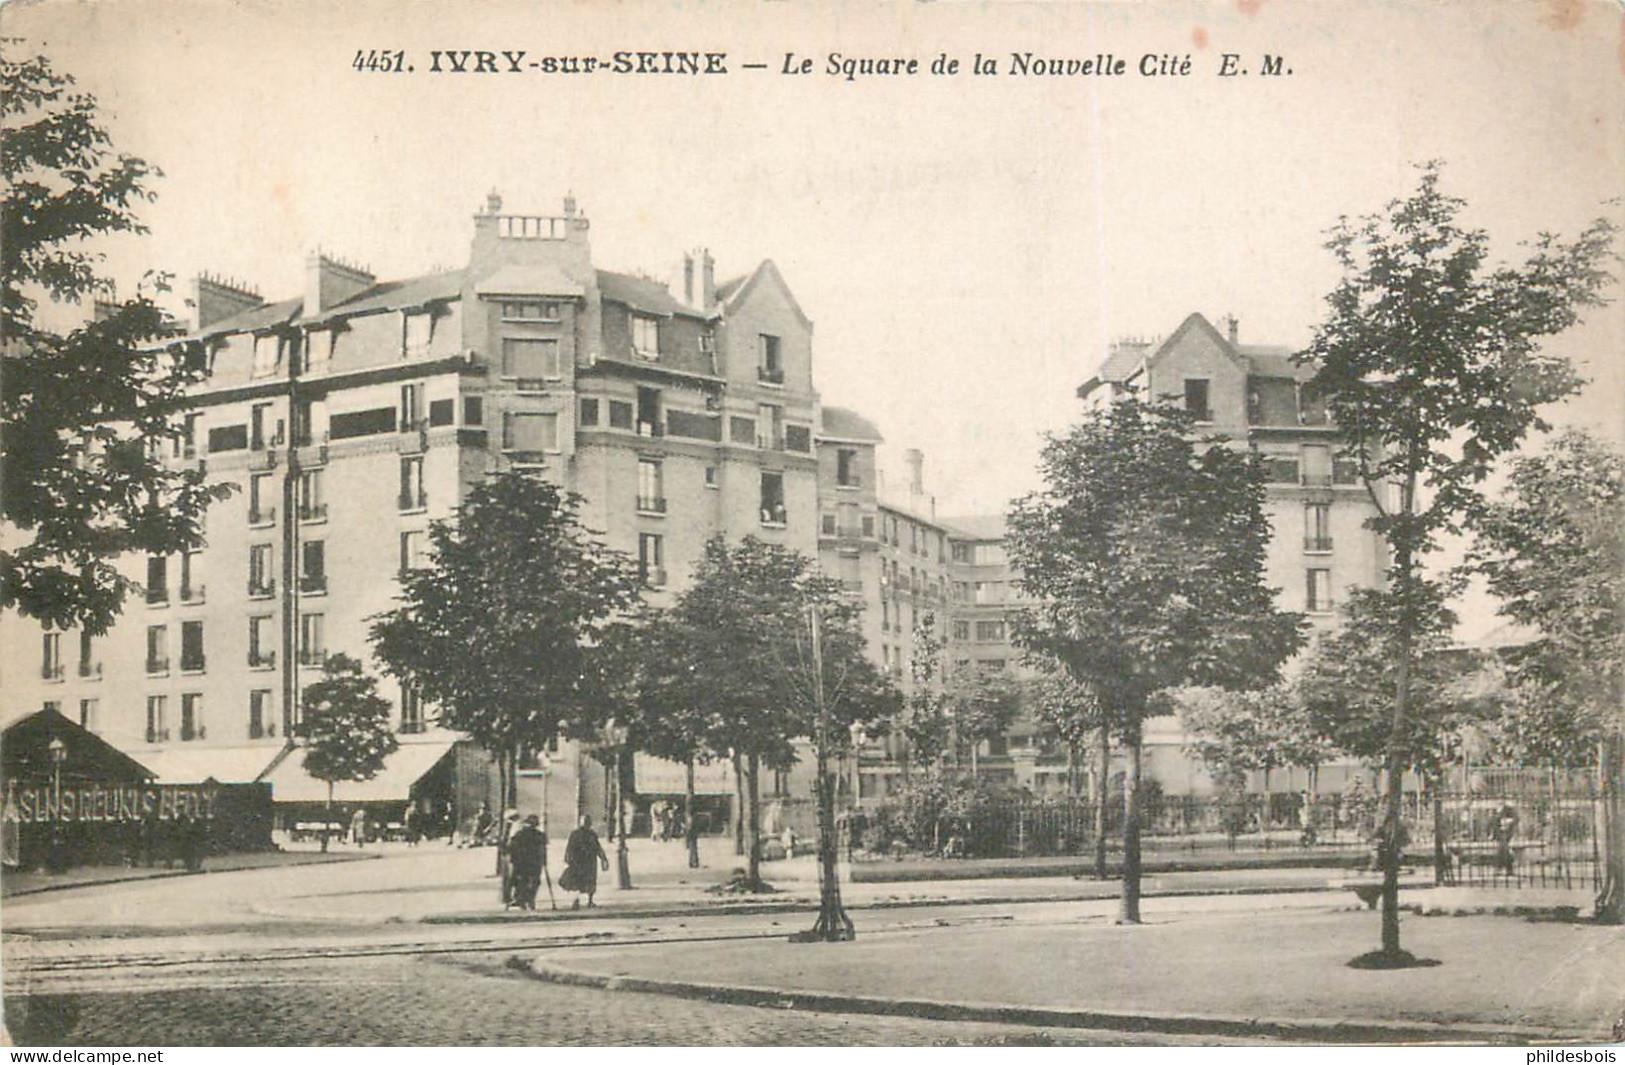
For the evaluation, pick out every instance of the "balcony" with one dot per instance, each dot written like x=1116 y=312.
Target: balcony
x=1316 y=480
x=192 y=593
x=651 y=429
x=312 y=656
x=418 y=500
x=1317 y=544
x=262 y=515
x=157 y=666
x=90 y=670
x=157 y=596
x=414 y=437
x=261 y=458
x=189 y=733
x=651 y=504
x=770 y=375
x=157 y=735
x=193 y=663
x=313 y=512
x=262 y=659
x=775 y=516
x=262 y=589
x=313 y=584
x=52 y=671
x=411 y=726
x=654 y=578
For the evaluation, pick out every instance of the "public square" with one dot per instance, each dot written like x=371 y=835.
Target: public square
x=409 y=946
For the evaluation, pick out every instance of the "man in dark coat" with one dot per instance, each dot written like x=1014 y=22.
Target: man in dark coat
x=583 y=857
x=527 y=856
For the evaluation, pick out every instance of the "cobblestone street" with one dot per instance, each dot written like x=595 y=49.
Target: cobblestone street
x=431 y=1001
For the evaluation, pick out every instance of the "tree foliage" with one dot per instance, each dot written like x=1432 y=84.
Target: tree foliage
x=86 y=412
x=502 y=630
x=344 y=723
x=1246 y=731
x=925 y=718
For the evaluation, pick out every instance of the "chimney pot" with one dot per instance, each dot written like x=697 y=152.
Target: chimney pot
x=493 y=202
x=1232 y=328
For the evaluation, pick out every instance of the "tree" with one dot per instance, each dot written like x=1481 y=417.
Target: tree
x=746 y=632
x=86 y=412
x=345 y=726
x=983 y=706
x=502 y=630
x=1553 y=552
x=925 y=720
x=1070 y=712
x=670 y=719
x=1430 y=362
x=1144 y=555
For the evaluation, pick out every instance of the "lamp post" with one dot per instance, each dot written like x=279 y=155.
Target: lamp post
x=59 y=755
x=618 y=735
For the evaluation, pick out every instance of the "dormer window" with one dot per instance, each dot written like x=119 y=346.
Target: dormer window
x=645 y=337
x=415 y=339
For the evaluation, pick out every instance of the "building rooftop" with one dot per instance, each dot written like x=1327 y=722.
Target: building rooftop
x=839 y=423
x=642 y=294
x=977 y=527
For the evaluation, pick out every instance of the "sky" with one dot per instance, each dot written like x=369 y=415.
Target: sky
x=966 y=245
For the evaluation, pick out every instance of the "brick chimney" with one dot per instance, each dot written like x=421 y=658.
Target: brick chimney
x=708 y=280
x=1232 y=329
x=217 y=298
x=330 y=281
x=914 y=458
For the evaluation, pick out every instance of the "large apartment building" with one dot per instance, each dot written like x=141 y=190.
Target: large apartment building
x=352 y=414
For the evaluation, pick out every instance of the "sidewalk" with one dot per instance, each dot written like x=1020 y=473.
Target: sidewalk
x=1277 y=974
x=32 y=882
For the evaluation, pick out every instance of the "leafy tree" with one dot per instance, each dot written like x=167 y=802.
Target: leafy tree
x=1553 y=552
x=1144 y=553
x=502 y=630
x=345 y=726
x=746 y=632
x=86 y=412
x=925 y=718
x=983 y=707
x=1430 y=362
x=1068 y=711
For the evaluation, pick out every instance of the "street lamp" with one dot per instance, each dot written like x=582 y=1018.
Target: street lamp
x=618 y=736
x=59 y=754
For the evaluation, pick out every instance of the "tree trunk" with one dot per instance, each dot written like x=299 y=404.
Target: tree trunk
x=753 y=829
x=738 y=807
x=690 y=840
x=504 y=781
x=1264 y=818
x=327 y=816
x=1129 y=910
x=1610 y=905
x=1102 y=782
x=1391 y=849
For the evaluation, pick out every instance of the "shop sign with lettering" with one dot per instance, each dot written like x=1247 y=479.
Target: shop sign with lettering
x=97 y=803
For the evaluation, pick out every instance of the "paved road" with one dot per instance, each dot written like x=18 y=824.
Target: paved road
x=440 y=1001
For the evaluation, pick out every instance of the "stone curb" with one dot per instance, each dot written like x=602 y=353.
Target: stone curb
x=171 y=873
x=1316 y=1029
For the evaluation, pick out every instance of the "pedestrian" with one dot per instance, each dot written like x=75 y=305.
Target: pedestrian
x=409 y=824
x=509 y=824
x=358 y=826
x=527 y=857
x=1506 y=829
x=482 y=825
x=583 y=857
x=657 y=820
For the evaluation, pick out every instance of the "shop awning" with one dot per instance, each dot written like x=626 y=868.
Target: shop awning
x=193 y=765
x=409 y=764
x=656 y=776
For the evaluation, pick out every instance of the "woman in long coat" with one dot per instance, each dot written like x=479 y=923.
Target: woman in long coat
x=583 y=857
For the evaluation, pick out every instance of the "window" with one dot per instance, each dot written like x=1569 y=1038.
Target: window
x=267 y=354
x=191 y=716
x=157 y=723
x=1317 y=527
x=826 y=525
x=646 y=336
x=1281 y=469
x=530 y=361
x=589 y=412
x=90 y=714
x=620 y=414
x=990 y=630
x=192 y=646
x=651 y=560
x=710 y=477
x=962 y=552
x=322 y=345
x=51 y=656
x=260 y=489
x=259 y=714
x=411 y=709
x=1317 y=466
x=961 y=630
x=530 y=312
x=473 y=410
x=412 y=496
x=262 y=431
x=708 y=348
x=157 y=579
x=885 y=615
x=1196 y=399
x=770 y=427
x=186 y=443
x=89 y=666
x=191 y=577
x=846 y=467
x=651 y=496
x=312 y=647
x=741 y=430
x=313 y=567
x=649 y=423
x=157 y=648
x=261 y=637
x=260 y=582
x=411 y=407
x=773 y=512
x=412 y=556
x=868 y=526
x=312 y=502
x=531 y=433
x=1319 y=592
x=769 y=364
x=1346 y=470
x=415 y=336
